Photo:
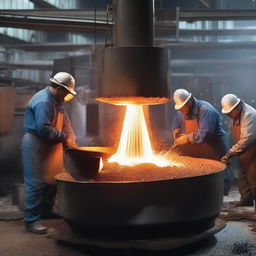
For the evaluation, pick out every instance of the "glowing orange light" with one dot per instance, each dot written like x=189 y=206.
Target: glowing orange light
x=68 y=97
x=134 y=145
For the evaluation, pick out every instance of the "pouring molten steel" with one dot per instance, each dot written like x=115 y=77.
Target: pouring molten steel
x=134 y=145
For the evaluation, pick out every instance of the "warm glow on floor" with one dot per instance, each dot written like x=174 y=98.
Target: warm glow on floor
x=134 y=145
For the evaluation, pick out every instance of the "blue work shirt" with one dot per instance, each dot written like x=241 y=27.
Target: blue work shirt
x=40 y=112
x=208 y=121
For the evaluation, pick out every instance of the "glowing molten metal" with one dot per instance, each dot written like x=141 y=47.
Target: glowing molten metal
x=134 y=145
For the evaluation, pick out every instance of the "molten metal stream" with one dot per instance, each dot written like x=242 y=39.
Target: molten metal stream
x=134 y=145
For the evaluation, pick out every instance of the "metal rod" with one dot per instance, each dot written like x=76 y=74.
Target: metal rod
x=133 y=23
x=177 y=23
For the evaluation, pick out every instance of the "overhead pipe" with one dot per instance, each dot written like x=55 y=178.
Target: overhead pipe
x=132 y=70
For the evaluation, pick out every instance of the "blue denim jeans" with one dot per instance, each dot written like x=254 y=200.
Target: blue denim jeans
x=39 y=196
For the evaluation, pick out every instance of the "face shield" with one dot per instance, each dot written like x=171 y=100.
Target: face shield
x=68 y=97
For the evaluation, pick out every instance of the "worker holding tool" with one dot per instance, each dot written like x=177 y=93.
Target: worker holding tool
x=197 y=130
x=244 y=133
x=48 y=129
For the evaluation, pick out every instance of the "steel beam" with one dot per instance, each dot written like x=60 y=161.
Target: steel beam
x=49 y=47
x=194 y=15
x=19 y=82
x=207 y=45
x=53 y=24
x=170 y=29
x=167 y=14
x=84 y=20
x=32 y=66
x=83 y=14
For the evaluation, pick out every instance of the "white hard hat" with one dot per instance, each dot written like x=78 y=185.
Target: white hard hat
x=65 y=80
x=181 y=97
x=229 y=102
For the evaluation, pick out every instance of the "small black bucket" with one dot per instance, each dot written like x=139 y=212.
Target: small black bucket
x=81 y=164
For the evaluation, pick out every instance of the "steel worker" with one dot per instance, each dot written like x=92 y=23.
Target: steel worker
x=47 y=128
x=197 y=130
x=244 y=133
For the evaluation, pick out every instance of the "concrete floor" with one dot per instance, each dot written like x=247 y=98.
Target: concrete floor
x=235 y=239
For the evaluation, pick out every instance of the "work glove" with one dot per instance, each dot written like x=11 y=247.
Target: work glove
x=176 y=133
x=181 y=140
x=70 y=143
x=226 y=158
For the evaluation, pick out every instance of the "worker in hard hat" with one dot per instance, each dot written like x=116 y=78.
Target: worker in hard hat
x=48 y=129
x=244 y=133
x=197 y=130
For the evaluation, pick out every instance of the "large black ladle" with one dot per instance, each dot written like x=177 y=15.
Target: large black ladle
x=83 y=163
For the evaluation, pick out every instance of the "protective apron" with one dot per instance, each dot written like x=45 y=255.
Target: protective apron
x=247 y=170
x=41 y=162
x=42 y=159
x=214 y=148
x=53 y=156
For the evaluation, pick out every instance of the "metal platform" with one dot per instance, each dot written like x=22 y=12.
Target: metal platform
x=64 y=233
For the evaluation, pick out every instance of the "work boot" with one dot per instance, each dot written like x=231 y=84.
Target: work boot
x=242 y=203
x=36 y=227
x=51 y=215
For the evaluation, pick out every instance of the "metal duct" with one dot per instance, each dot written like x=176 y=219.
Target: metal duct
x=133 y=23
x=133 y=70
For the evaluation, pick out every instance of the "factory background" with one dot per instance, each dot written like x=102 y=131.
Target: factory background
x=212 y=52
